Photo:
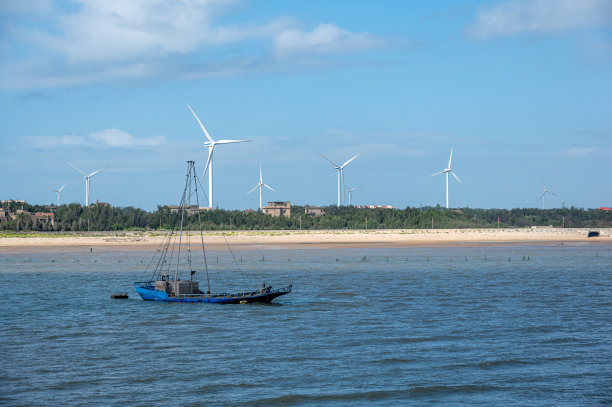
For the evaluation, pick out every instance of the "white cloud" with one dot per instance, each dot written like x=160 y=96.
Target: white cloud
x=109 y=137
x=540 y=16
x=578 y=152
x=118 y=138
x=89 y=41
x=325 y=38
x=118 y=31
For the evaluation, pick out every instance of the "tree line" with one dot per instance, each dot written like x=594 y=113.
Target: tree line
x=74 y=217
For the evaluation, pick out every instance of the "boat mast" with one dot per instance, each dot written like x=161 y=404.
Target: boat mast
x=183 y=200
x=195 y=177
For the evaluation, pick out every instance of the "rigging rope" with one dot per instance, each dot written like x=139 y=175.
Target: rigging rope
x=236 y=262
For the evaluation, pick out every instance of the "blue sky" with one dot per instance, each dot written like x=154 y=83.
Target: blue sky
x=521 y=90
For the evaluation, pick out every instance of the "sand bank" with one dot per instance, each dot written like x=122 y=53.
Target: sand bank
x=241 y=240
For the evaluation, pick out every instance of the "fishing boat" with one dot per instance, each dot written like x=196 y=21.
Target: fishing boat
x=174 y=267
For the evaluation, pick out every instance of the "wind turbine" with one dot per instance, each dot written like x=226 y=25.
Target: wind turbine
x=350 y=193
x=447 y=171
x=543 y=196
x=58 y=191
x=260 y=186
x=87 y=177
x=340 y=169
x=211 y=149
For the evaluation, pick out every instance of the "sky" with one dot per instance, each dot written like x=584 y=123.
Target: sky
x=521 y=90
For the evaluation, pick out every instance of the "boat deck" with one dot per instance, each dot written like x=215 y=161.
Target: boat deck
x=147 y=291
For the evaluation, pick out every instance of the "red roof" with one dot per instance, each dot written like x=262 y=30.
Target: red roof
x=605 y=208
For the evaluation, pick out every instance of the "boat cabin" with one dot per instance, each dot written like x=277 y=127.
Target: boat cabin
x=177 y=287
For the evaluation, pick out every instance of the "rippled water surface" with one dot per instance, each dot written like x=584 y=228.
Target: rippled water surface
x=491 y=326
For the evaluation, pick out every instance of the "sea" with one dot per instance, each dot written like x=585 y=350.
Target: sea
x=505 y=325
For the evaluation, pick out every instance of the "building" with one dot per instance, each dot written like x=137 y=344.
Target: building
x=5 y=215
x=314 y=211
x=8 y=201
x=190 y=209
x=376 y=207
x=277 y=209
x=44 y=217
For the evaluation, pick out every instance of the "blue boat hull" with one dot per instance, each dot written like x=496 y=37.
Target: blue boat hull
x=148 y=292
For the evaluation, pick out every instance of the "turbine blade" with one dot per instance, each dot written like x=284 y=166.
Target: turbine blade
x=542 y=196
x=95 y=172
x=347 y=163
x=451 y=157
x=257 y=186
x=260 y=177
x=438 y=173
x=552 y=193
x=269 y=187
x=200 y=123
x=210 y=154
x=456 y=177
x=60 y=190
x=231 y=141
x=333 y=163
x=75 y=167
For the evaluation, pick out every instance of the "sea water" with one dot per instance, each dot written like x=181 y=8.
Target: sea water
x=511 y=325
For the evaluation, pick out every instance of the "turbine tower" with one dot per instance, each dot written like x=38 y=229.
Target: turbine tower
x=260 y=186
x=447 y=171
x=350 y=193
x=87 y=177
x=340 y=169
x=58 y=191
x=211 y=149
x=543 y=196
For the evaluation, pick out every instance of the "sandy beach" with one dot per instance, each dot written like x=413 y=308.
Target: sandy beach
x=248 y=240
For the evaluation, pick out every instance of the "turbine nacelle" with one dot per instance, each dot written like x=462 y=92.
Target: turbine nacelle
x=210 y=144
x=340 y=169
x=260 y=185
x=86 y=177
x=543 y=196
x=447 y=171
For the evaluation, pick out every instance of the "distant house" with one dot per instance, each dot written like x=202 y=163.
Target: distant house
x=376 y=206
x=106 y=204
x=277 y=209
x=44 y=217
x=5 y=215
x=190 y=209
x=314 y=211
x=605 y=208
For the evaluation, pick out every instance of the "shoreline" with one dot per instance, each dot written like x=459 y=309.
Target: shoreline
x=314 y=239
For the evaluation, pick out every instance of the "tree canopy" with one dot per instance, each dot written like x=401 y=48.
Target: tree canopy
x=74 y=217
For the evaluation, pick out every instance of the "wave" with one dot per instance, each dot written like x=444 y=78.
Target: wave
x=376 y=395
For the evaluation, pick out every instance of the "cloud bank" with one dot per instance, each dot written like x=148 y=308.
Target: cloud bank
x=106 y=138
x=50 y=44
x=540 y=16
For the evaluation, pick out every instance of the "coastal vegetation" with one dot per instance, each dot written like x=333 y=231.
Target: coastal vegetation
x=74 y=218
